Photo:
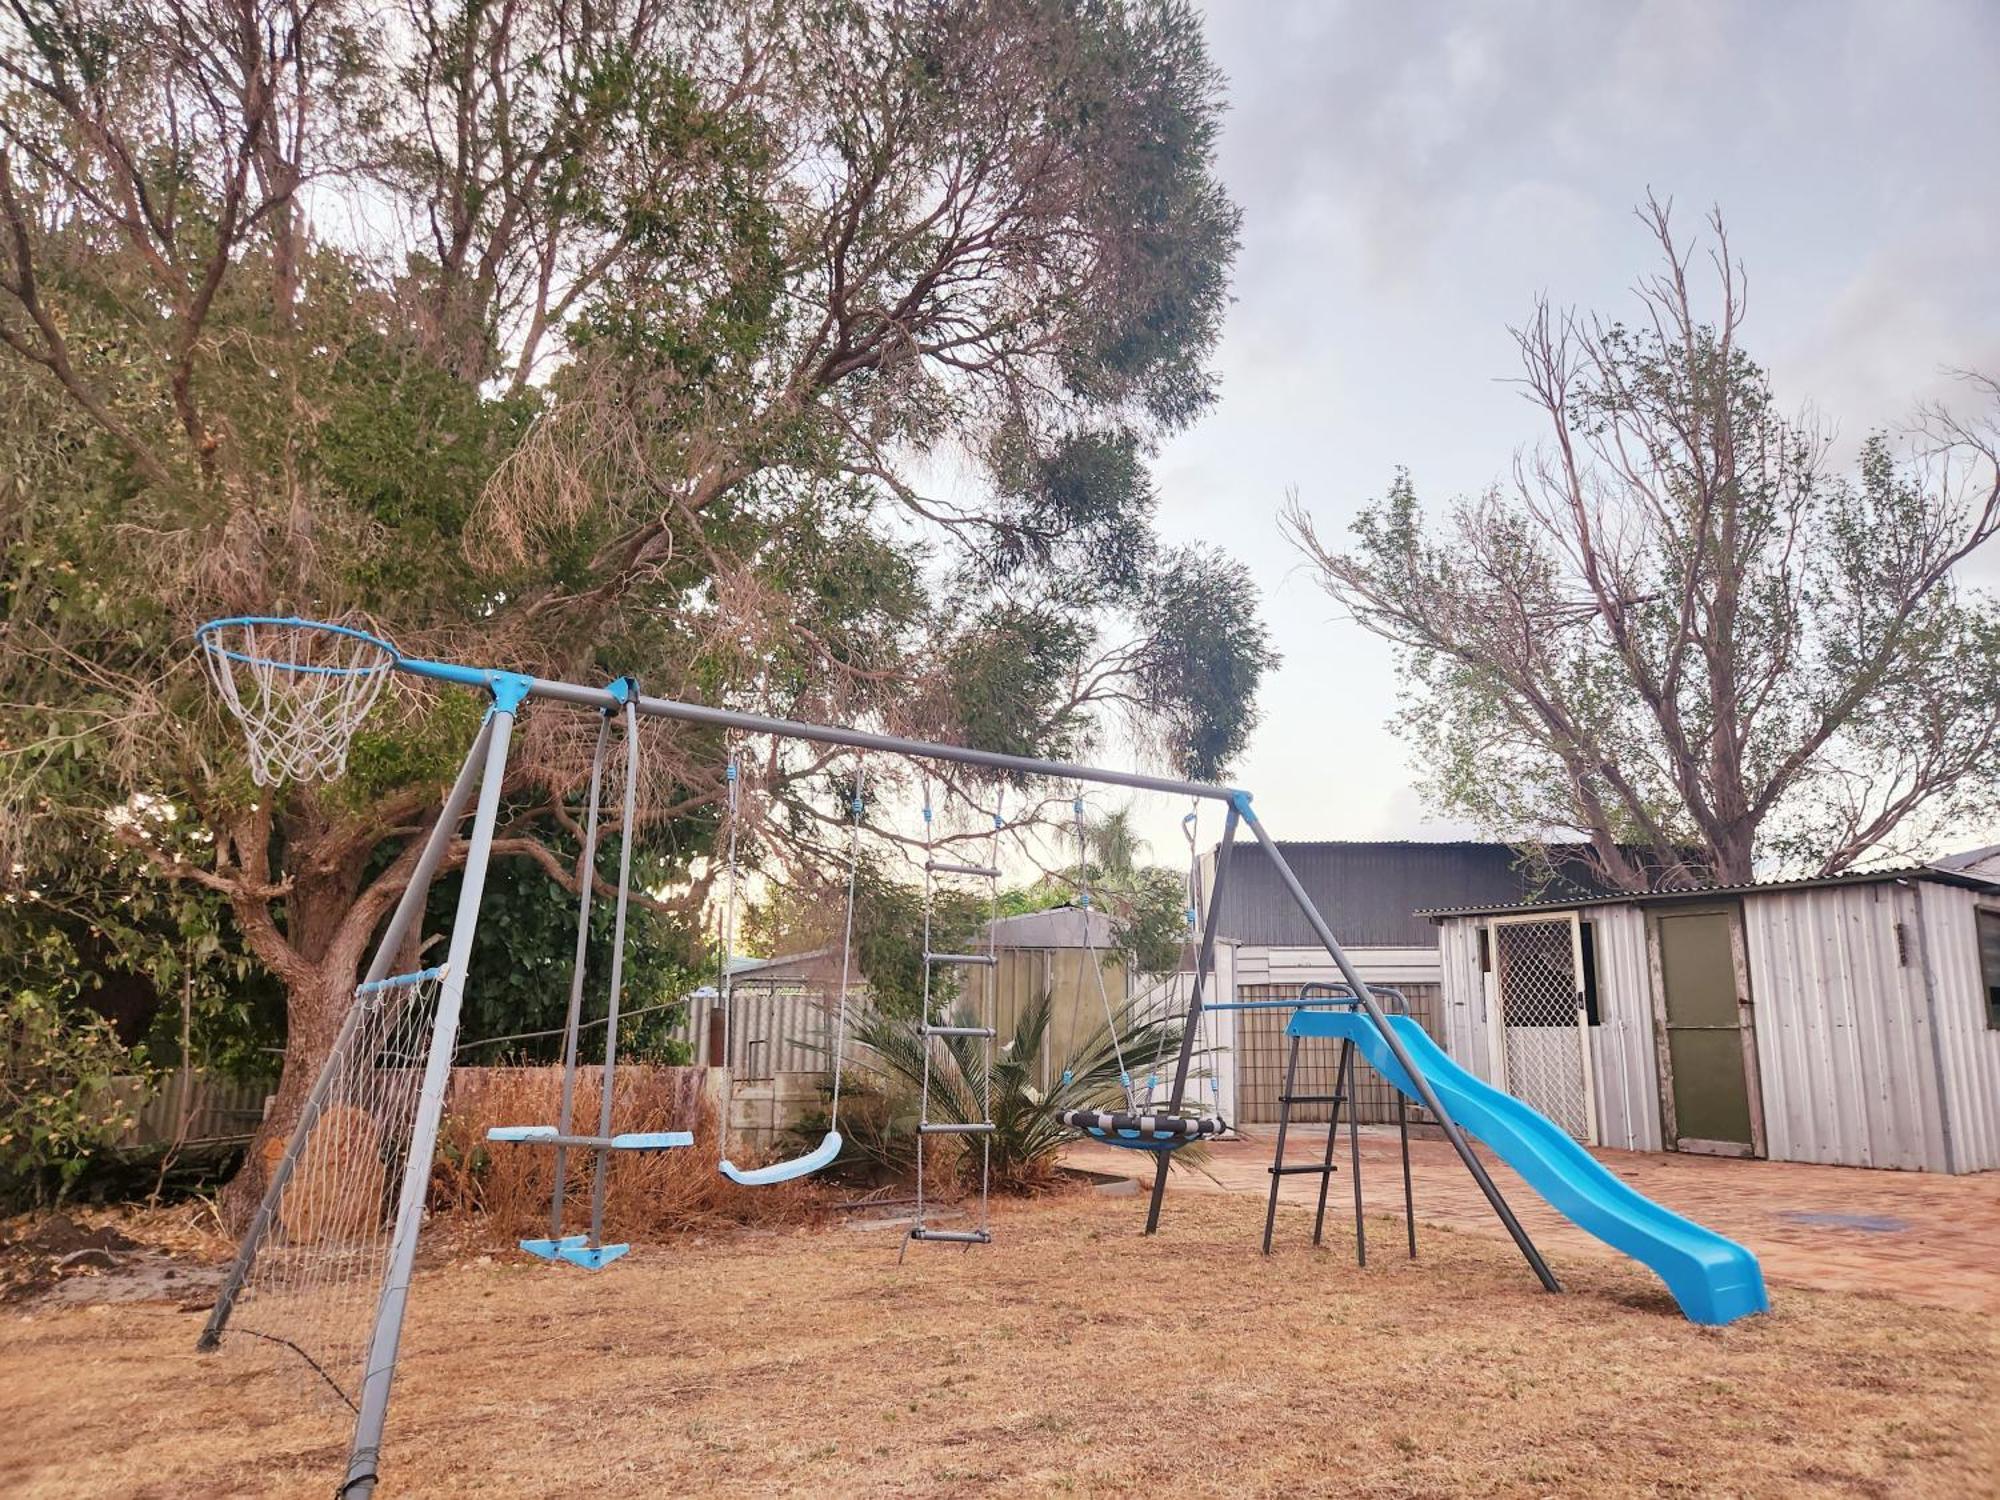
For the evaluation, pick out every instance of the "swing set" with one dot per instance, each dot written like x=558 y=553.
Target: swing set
x=324 y=1268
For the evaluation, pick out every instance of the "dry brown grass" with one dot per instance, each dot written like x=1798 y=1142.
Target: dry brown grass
x=1073 y=1355
x=500 y=1192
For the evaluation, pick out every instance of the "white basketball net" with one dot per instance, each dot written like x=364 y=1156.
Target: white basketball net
x=299 y=689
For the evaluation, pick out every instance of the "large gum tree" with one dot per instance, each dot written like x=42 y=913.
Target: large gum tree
x=803 y=355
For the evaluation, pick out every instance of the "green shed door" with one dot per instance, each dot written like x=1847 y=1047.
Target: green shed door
x=1704 y=1025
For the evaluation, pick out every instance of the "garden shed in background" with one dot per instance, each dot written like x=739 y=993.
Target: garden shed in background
x=1853 y=1019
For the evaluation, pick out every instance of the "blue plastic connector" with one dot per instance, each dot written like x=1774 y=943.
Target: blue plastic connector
x=510 y=690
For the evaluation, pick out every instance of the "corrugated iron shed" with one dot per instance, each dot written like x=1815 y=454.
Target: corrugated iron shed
x=1368 y=890
x=1938 y=873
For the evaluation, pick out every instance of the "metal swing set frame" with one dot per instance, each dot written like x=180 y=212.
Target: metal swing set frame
x=234 y=647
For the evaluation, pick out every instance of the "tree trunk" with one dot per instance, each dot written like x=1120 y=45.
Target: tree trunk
x=316 y=1002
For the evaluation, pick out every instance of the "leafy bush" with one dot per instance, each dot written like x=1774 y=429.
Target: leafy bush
x=61 y=1099
x=1029 y=1134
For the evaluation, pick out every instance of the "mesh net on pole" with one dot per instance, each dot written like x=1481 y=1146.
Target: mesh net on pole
x=309 y=1300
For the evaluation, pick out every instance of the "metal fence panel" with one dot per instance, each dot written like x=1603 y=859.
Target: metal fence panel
x=1262 y=1047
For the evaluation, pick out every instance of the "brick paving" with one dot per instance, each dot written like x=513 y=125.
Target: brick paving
x=1915 y=1235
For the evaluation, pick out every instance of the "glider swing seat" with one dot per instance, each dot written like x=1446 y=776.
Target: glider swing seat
x=588 y=1250
x=326 y=1265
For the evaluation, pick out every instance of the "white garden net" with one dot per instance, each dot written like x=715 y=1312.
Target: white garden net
x=311 y=1293
x=299 y=688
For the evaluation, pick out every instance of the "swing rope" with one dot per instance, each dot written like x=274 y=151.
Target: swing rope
x=858 y=805
x=1155 y=1128
x=992 y=1017
x=723 y=982
x=829 y=1148
x=1090 y=956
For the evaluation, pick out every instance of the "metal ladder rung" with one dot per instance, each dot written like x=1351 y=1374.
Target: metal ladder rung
x=956 y=1031
x=981 y=960
x=1301 y=1171
x=947 y=867
x=984 y=1127
x=951 y=1236
x=1312 y=1099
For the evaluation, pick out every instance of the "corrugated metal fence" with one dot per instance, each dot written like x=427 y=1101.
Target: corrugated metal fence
x=198 y=1110
x=1262 y=1047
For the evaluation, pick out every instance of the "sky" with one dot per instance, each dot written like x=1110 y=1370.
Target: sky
x=1412 y=176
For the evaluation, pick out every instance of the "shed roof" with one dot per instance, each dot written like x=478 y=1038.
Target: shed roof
x=1905 y=873
x=1056 y=927
x=1369 y=890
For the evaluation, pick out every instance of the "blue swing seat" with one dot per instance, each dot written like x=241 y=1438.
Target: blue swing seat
x=820 y=1156
x=631 y=1140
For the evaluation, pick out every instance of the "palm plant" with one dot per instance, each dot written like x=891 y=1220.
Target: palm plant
x=1028 y=1134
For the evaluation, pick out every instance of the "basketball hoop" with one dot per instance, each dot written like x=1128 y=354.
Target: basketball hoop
x=300 y=688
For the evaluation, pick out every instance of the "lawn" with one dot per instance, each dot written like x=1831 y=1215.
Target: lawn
x=1071 y=1356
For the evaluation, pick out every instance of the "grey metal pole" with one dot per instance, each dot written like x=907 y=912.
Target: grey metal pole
x=570 y=1022
x=1425 y=1092
x=407 y=909
x=379 y=1371
x=631 y=832
x=824 y=734
x=1346 y=1090
x=1203 y=964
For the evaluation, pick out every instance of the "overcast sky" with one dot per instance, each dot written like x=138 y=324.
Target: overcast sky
x=1413 y=175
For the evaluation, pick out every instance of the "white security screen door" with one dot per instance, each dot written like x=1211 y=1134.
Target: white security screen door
x=1541 y=1032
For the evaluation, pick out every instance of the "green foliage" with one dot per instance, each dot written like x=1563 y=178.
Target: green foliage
x=1204 y=652
x=141 y=953
x=519 y=979
x=61 y=1103
x=606 y=383
x=1028 y=1135
x=1147 y=904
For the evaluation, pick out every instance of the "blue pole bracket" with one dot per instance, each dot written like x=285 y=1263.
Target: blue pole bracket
x=510 y=690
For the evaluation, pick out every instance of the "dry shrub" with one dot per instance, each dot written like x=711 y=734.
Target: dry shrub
x=505 y=1188
x=336 y=1189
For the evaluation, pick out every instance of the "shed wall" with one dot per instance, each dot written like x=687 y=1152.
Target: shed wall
x=1844 y=1043
x=1624 y=1073
x=1967 y=1055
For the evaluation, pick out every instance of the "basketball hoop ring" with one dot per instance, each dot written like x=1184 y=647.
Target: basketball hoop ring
x=300 y=689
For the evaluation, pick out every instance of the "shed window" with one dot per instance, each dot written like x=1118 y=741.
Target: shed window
x=1588 y=932
x=1986 y=922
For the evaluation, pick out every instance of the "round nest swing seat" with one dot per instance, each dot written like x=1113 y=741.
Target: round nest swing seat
x=1155 y=1132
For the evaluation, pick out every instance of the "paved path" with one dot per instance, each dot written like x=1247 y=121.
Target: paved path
x=1916 y=1235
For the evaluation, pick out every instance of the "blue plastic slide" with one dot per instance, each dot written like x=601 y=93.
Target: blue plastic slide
x=1715 y=1280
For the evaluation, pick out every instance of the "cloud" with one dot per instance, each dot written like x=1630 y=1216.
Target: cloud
x=1413 y=175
